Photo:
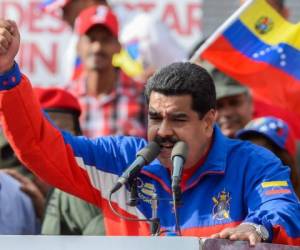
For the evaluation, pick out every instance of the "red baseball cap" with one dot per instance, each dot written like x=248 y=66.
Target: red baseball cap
x=56 y=98
x=94 y=15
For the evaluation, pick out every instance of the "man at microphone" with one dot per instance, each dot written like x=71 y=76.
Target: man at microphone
x=228 y=188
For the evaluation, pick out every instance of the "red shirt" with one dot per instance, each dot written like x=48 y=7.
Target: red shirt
x=120 y=112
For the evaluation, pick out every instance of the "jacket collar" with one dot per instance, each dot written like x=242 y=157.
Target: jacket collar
x=215 y=163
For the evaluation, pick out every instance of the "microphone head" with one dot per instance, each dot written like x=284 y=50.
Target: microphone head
x=150 y=152
x=180 y=149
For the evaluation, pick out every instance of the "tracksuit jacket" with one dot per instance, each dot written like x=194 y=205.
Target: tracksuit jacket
x=237 y=182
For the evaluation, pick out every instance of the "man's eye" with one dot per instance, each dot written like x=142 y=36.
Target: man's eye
x=156 y=118
x=235 y=103
x=180 y=119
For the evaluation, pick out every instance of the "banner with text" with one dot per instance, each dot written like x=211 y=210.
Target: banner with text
x=45 y=37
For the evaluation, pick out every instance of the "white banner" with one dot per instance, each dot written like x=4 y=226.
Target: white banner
x=43 y=41
x=45 y=37
x=183 y=17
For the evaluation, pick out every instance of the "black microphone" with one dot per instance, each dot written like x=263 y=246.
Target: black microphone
x=178 y=156
x=143 y=157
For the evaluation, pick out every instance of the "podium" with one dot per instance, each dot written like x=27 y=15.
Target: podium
x=220 y=244
x=34 y=242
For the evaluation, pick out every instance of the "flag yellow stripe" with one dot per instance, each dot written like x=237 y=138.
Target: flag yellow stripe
x=282 y=31
x=130 y=66
x=274 y=184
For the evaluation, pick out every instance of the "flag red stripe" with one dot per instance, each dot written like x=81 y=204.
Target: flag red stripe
x=268 y=83
x=261 y=108
x=278 y=191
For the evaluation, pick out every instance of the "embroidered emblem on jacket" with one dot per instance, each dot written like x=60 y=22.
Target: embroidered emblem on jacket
x=146 y=191
x=221 y=209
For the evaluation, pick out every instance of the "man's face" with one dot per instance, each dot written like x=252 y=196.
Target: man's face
x=172 y=119
x=97 y=47
x=64 y=121
x=233 y=113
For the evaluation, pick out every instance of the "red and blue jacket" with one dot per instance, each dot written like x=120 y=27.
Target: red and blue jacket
x=237 y=182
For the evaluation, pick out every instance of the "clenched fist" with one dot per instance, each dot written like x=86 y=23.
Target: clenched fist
x=9 y=44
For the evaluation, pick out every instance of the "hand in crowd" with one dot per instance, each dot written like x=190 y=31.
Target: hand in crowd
x=9 y=44
x=241 y=232
x=31 y=189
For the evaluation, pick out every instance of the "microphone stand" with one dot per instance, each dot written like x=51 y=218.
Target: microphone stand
x=155 y=222
x=176 y=194
x=133 y=199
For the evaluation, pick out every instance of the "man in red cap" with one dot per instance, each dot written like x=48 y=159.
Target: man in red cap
x=62 y=107
x=112 y=103
x=66 y=214
x=64 y=111
x=143 y=37
x=69 y=10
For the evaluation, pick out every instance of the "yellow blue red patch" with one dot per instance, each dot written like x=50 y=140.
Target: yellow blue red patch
x=276 y=187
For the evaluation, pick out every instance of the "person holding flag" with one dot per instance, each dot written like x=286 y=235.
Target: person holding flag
x=257 y=56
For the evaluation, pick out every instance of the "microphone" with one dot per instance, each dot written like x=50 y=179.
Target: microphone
x=178 y=157
x=143 y=157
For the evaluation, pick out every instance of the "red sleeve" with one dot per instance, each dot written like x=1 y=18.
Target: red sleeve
x=39 y=145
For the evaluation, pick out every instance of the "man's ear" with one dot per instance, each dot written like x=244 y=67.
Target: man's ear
x=209 y=119
x=117 y=47
x=79 y=46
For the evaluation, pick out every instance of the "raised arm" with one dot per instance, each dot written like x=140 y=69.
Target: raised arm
x=35 y=140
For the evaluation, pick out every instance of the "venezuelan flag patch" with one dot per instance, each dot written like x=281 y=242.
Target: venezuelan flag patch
x=276 y=187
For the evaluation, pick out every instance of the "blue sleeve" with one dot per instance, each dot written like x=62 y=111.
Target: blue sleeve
x=111 y=154
x=10 y=78
x=270 y=197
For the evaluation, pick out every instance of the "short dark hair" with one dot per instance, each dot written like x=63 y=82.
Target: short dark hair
x=185 y=78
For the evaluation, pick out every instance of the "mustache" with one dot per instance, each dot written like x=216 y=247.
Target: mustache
x=168 y=139
x=93 y=54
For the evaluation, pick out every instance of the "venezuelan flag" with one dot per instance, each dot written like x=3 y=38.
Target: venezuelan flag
x=276 y=187
x=260 y=49
x=128 y=60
